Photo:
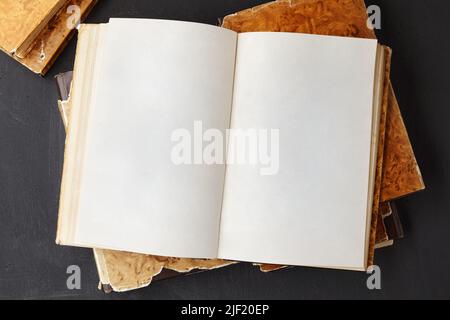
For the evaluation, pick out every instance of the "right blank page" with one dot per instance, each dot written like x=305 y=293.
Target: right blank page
x=313 y=211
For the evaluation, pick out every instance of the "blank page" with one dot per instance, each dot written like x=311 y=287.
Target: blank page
x=318 y=92
x=156 y=77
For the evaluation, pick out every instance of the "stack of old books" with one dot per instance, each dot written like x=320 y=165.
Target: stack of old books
x=394 y=172
x=34 y=32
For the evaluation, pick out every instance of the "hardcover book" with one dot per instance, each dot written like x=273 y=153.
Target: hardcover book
x=123 y=271
x=124 y=182
x=35 y=32
x=22 y=20
x=55 y=36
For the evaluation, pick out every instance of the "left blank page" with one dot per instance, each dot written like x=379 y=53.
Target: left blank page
x=155 y=77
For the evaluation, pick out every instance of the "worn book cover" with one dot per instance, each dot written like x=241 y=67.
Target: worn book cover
x=22 y=20
x=402 y=174
x=55 y=35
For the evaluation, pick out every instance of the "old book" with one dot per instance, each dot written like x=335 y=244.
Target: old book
x=392 y=222
x=401 y=171
x=391 y=228
x=124 y=275
x=55 y=35
x=64 y=82
x=22 y=20
x=128 y=271
x=218 y=203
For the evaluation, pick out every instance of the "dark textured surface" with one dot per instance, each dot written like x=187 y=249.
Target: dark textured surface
x=31 y=154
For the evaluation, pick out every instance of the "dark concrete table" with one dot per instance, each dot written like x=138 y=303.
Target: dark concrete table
x=31 y=157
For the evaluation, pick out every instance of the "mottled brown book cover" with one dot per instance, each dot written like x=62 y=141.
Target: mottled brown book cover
x=401 y=175
x=22 y=20
x=54 y=37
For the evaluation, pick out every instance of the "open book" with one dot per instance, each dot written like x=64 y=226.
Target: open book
x=314 y=100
